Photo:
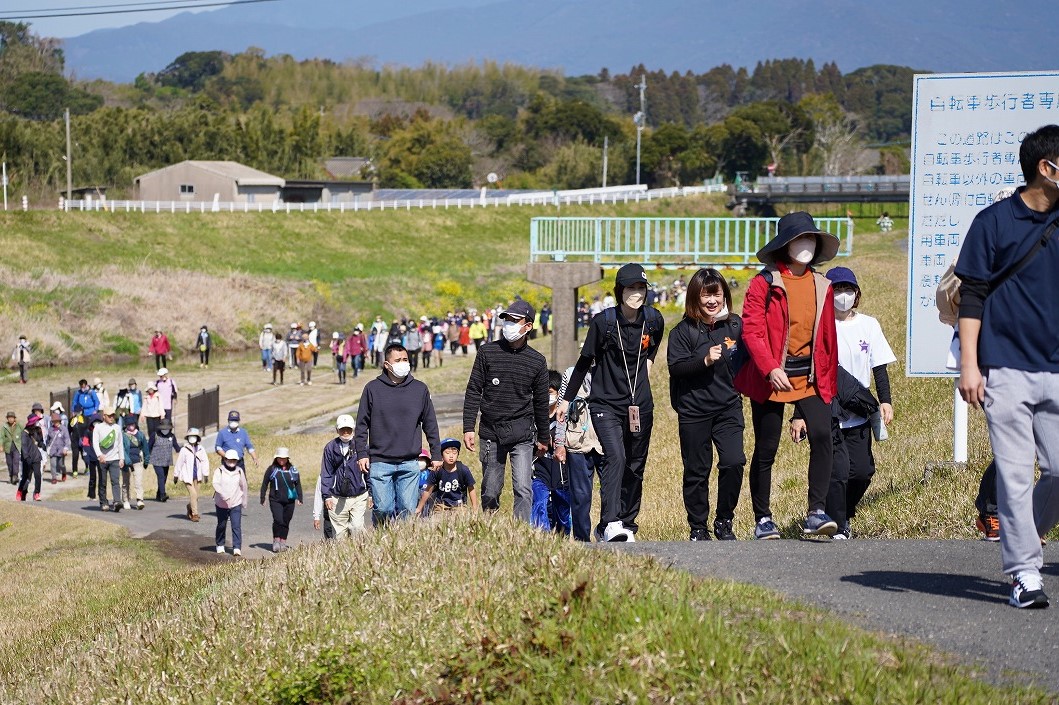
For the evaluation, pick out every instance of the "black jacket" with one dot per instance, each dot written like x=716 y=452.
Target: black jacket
x=698 y=391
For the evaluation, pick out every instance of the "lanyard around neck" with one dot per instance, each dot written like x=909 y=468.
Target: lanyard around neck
x=625 y=363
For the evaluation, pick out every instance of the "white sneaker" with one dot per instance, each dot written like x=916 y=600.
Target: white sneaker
x=220 y=549
x=615 y=531
x=125 y=505
x=1027 y=590
x=237 y=552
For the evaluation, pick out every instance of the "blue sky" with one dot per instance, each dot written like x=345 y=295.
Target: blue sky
x=72 y=26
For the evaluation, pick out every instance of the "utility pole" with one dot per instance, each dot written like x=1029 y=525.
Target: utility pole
x=639 y=119
x=69 y=164
x=606 y=143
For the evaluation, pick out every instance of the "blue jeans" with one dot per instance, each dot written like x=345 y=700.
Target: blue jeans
x=582 y=467
x=236 y=514
x=266 y=359
x=494 y=457
x=551 y=508
x=394 y=489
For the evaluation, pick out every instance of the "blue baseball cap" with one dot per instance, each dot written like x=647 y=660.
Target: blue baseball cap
x=450 y=443
x=842 y=275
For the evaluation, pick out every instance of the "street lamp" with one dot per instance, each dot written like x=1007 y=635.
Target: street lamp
x=639 y=119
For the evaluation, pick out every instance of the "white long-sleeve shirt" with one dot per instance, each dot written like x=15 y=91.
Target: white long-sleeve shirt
x=116 y=451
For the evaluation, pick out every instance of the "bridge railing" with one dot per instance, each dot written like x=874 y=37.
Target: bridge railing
x=664 y=241
x=898 y=184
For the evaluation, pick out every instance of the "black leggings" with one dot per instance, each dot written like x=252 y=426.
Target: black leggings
x=282 y=513
x=204 y=356
x=768 y=427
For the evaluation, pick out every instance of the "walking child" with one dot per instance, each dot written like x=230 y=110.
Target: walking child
x=551 y=474
x=452 y=481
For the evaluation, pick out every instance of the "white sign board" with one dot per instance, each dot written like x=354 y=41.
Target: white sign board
x=966 y=132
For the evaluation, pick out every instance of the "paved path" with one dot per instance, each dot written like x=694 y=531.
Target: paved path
x=950 y=594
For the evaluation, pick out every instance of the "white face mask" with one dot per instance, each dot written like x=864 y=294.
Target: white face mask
x=512 y=331
x=633 y=298
x=422 y=465
x=722 y=314
x=345 y=437
x=844 y=300
x=552 y=398
x=802 y=250
x=401 y=369
x=233 y=425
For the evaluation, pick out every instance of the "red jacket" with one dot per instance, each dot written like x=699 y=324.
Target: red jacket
x=159 y=345
x=765 y=336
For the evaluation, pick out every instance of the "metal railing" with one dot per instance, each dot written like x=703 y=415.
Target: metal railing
x=897 y=184
x=664 y=241
x=204 y=409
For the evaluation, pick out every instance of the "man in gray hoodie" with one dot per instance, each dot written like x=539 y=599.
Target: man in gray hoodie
x=395 y=411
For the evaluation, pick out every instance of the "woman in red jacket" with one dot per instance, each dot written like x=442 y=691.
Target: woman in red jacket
x=789 y=335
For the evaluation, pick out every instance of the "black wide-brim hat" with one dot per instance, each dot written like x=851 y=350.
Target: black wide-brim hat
x=790 y=227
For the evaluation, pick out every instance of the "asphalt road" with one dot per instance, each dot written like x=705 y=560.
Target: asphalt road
x=950 y=594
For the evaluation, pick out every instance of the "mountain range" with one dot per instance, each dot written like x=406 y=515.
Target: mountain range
x=583 y=36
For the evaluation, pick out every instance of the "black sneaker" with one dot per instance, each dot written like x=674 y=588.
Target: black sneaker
x=722 y=528
x=700 y=535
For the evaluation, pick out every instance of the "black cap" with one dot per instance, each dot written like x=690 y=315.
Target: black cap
x=520 y=309
x=630 y=274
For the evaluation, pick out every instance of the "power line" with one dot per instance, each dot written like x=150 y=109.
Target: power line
x=98 y=7
x=126 y=12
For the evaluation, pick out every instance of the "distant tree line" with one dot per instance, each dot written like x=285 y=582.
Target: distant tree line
x=436 y=126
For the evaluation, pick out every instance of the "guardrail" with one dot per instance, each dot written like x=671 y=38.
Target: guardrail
x=664 y=241
x=586 y=197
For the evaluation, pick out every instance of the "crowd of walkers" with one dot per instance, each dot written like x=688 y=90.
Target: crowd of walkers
x=801 y=341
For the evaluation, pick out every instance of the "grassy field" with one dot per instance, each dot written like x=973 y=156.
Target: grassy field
x=449 y=613
x=82 y=284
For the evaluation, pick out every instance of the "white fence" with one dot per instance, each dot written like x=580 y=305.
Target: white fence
x=613 y=195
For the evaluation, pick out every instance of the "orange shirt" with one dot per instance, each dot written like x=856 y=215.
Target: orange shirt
x=801 y=308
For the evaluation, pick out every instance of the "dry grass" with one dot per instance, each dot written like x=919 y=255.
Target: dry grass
x=448 y=613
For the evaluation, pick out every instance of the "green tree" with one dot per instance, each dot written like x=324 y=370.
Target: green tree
x=192 y=69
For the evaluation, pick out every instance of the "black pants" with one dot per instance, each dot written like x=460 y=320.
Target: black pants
x=75 y=447
x=204 y=356
x=159 y=362
x=478 y=343
x=329 y=528
x=161 y=474
x=426 y=357
x=985 y=502
x=282 y=513
x=413 y=359
x=92 y=468
x=624 y=459
x=852 y=468
x=768 y=427
x=29 y=470
x=697 y=439
x=277 y=369
x=453 y=345
x=152 y=427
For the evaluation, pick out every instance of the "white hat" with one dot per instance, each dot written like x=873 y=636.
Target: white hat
x=57 y=406
x=163 y=371
x=335 y=335
x=312 y=324
x=345 y=421
x=193 y=432
x=231 y=454
x=293 y=325
x=281 y=452
x=268 y=326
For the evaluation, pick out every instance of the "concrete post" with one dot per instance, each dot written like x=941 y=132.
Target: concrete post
x=564 y=278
